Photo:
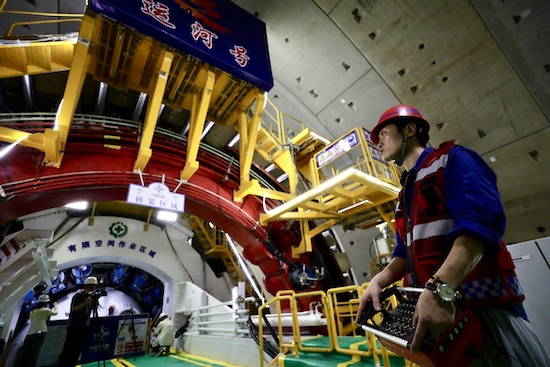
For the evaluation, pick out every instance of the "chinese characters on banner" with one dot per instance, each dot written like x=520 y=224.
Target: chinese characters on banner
x=156 y=195
x=87 y=245
x=338 y=148
x=240 y=55
x=216 y=32
x=198 y=32
x=161 y=13
x=131 y=336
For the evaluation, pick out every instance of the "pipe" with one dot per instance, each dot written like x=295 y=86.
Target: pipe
x=238 y=331
x=304 y=319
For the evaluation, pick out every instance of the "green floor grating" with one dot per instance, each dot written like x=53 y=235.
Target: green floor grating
x=304 y=359
x=333 y=359
x=173 y=360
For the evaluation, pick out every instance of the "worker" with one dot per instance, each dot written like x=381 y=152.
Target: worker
x=36 y=336
x=449 y=221
x=164 y=335
x=83 y=303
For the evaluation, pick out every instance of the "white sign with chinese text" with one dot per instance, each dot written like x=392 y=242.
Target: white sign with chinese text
x=156 y=195
x=337 y=149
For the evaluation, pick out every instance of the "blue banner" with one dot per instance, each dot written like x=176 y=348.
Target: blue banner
x=217 y=32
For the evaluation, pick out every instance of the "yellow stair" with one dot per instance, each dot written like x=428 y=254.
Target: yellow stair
x=36 y=57
x=216 y=247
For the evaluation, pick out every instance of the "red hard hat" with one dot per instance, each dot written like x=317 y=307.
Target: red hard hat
x=397 y=113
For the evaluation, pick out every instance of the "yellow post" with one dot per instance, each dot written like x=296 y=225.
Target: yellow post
x=198 y=118
x=156 y=88
x=75 y=80
x=247 y=143
x=387 y=218
x=285 y=160
x=248 y=130
x=305 y=243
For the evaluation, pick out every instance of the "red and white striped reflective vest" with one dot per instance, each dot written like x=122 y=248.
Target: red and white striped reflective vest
x=492 y=282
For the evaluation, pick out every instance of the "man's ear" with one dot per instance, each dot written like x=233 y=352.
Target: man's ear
x=410 y=129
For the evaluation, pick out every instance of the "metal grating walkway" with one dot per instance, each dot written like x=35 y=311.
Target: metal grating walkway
x=180 y=359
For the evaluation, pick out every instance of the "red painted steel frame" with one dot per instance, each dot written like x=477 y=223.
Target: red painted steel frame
x=92 y=172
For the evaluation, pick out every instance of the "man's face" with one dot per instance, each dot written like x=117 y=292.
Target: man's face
x=390 y=140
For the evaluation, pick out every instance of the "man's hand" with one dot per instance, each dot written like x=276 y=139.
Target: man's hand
x=394 y=271
x=372 y=293
x=431 y=318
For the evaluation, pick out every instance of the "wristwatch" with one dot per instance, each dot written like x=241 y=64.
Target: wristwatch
x=445 y=292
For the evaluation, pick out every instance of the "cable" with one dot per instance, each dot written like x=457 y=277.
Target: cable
x=174 y=250
x=254 y=333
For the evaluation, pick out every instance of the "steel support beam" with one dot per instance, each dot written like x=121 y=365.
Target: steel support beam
x=331 y=185
x=308 y=234
x=285 y=160
x=387 y=218
x=52 y=141
x=248 y=130
x=156 y=94
x=73 y=88
x=199 y=111
x=47 y=142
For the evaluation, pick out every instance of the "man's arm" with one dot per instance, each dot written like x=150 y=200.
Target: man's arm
x=160 y=327
x=80 y=304
x=53 y=311
x=463 y=257
x=433 y=316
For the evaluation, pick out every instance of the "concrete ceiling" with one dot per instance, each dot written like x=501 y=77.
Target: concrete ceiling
x=478 y=70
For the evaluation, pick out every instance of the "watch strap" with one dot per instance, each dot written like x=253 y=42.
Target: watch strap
x=435 y=285
x=431 y=286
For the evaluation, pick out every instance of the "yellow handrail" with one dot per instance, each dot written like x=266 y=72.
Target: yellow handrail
x=75 y=17
x=281 y=296
x=333 y=311
x=13 y=25
x=41 y=14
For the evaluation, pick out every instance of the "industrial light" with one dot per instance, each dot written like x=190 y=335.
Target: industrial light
x=234 y=141
x=7 y=149
x=28 y=94
x=56 y=122
x=101 y=98
x=186 y=128
x=139 y=106
x=244 y=267
x=78 y=205
x=282 y=177
x=207 y=128
x=167 y=216
x=354 y=205
x=270 y=168
x=161 y=109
